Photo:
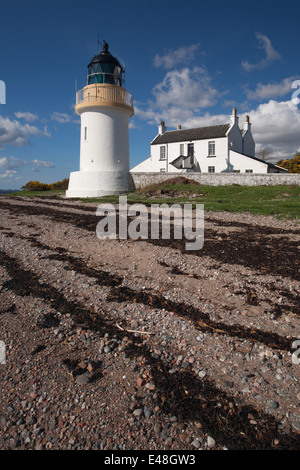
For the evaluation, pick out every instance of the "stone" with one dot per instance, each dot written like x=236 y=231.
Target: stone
x=273 y=404
x=211 y=442
x=82 y=379
x=196 y=443
x=137 y=412
x=148 y=412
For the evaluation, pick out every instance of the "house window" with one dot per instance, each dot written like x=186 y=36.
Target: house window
x=181 y=152
x=236 y=171
x=211 y=148
x=85 y=134
x=211 y=169
x=162 y=152
x=162 y=170
x=248 y=171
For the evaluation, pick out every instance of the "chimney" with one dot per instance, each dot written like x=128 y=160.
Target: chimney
x=179 y=127
x=233 y=117
x=162 y=128
x=247 y=124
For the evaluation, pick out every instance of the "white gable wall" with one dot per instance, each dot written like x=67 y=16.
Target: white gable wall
x=249 y=144
x=244 y=164
x=235 y=139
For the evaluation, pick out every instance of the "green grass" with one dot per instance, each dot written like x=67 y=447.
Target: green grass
x=280 y=201
x=50 y=193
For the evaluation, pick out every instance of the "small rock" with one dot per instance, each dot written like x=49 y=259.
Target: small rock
x=196 y=443
x=211 y=442
x=140 y=382
x=273 y=404
x=148 y=412
x=157 y=428
x=150 y=386
x=82 y=379
x=296 y=426
x=138 y=412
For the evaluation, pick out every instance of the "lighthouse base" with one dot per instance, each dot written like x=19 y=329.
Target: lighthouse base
x=84 y=184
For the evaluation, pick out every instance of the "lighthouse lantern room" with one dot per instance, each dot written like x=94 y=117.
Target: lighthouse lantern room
x=104 y=107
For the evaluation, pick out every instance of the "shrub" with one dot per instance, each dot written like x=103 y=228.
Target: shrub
x=37 y=186
x=292 y=165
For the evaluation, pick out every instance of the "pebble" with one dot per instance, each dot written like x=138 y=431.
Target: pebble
x=211 y=442
x=82 y=379
x=147 y=412
x=273 y=404
x=196 y=443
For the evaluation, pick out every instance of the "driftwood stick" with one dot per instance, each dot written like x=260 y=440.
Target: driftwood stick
x=134 y=331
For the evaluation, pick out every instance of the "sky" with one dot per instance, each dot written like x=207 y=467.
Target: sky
x=186 y=63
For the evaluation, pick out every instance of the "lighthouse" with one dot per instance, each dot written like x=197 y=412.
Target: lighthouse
x=104 y=107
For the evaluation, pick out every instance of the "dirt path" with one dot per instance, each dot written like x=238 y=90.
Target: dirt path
x=130 y=345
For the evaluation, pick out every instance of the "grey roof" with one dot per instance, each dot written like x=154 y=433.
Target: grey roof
x=198 y=133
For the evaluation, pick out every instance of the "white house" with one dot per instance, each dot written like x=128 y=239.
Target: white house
x=223 y=148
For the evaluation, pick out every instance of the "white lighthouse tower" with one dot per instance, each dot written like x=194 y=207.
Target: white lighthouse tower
x=105 y=107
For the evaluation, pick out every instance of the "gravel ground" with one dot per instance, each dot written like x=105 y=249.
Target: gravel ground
x=141 y=345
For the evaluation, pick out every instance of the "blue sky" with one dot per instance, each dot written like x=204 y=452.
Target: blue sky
x=186 y=62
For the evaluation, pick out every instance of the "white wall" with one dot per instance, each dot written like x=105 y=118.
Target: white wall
x=202 y=160
x=249 y=144
x=106 y=147
x=235 y=140
x=243 y=163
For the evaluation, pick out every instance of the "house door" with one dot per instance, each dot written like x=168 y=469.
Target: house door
x=190 y=150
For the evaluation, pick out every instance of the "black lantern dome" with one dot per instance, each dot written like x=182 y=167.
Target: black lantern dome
x=105 y=68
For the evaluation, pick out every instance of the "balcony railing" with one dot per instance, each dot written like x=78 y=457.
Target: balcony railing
x=101 y=93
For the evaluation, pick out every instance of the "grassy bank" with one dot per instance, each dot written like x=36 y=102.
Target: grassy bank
x=280 y=201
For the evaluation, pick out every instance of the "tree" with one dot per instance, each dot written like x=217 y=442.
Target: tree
x=264 y=152
x=292 y=164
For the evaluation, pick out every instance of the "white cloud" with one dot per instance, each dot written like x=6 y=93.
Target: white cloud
x=42 y=163
x=276 y=124
x=272 y=55
x=63 y=117
x=16 y=133
x=11 y=163
x=183 y=55
x=8 y=174
x=29 y=117
x=180 y=95
x=11 y=166
x=271 y=90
